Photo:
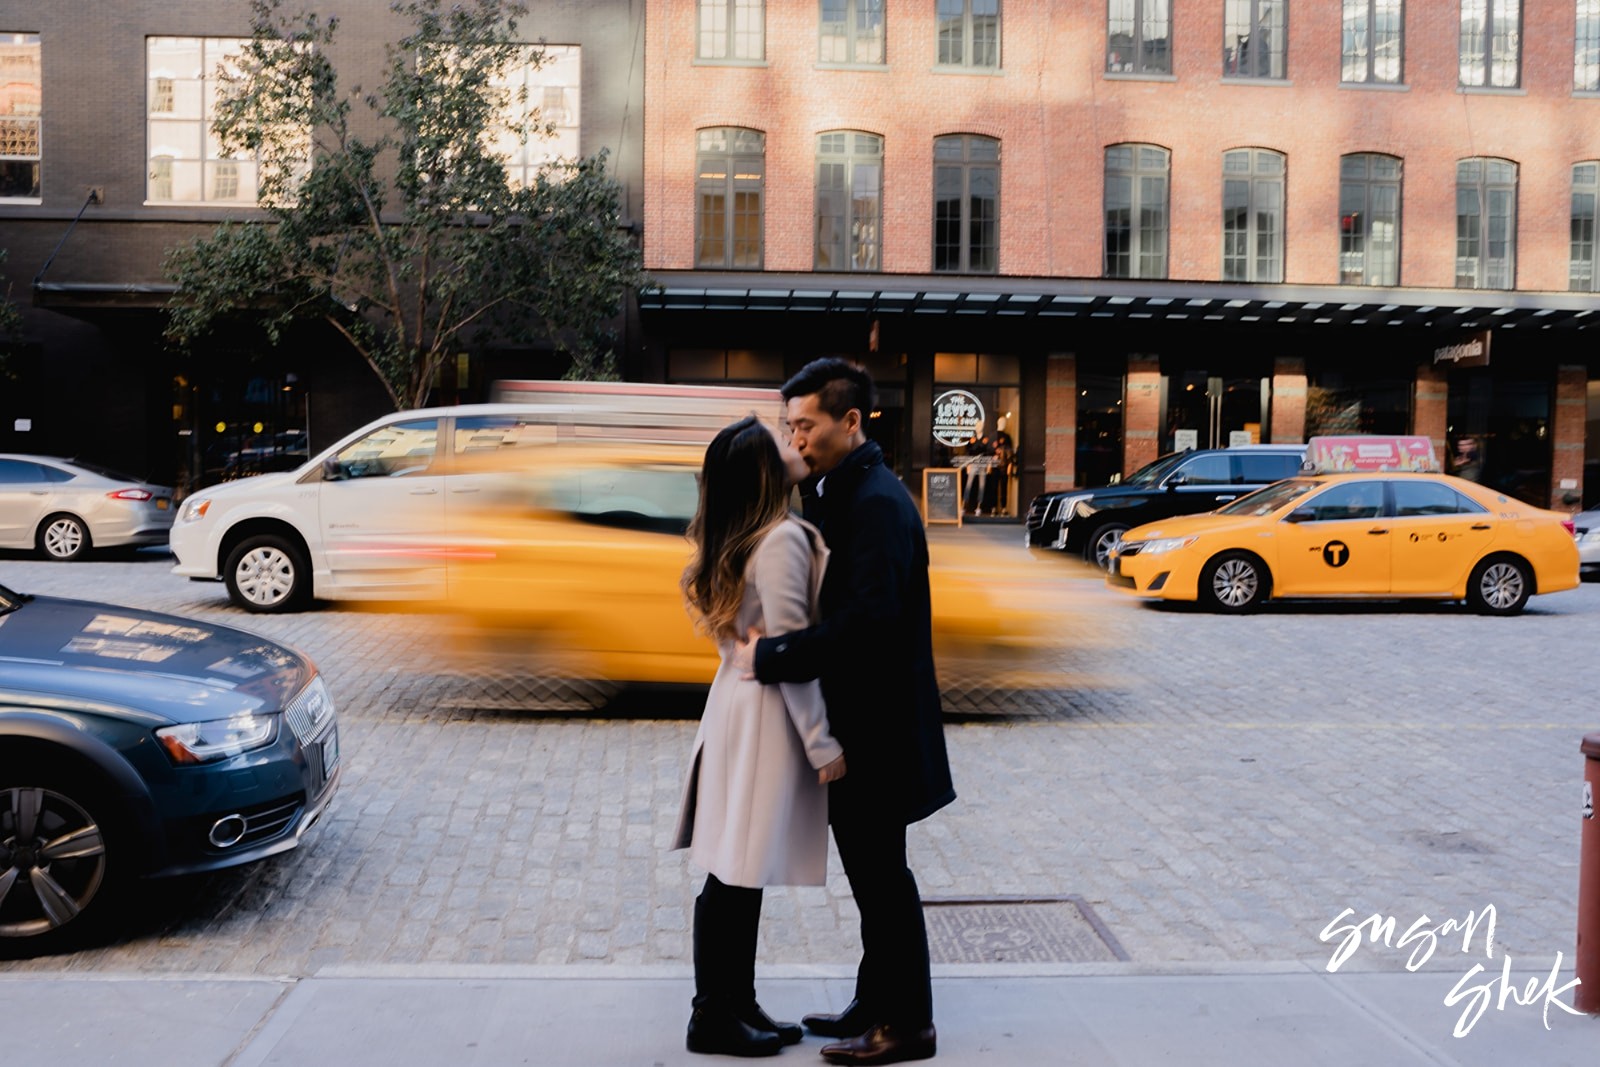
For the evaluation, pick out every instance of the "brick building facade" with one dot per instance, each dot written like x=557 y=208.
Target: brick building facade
x=88 y=94
x=1297 y=252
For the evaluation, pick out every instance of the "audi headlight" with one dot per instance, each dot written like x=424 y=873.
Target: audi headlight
x=194 y=510
x=203 y=742
x=1165 y=544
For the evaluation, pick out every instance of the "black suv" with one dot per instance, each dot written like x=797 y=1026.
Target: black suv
x=1090 y=522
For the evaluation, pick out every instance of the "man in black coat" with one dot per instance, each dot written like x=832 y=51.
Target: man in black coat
x=873 y=651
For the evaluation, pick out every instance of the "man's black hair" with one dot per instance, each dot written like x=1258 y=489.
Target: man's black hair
x=839 y=385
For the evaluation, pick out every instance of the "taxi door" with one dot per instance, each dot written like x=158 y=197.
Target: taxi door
x=382 y=510
x=1437 y=535
x=1335 y=542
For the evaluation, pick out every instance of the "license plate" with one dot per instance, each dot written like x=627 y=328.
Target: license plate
x=330 y=752
x=162 y=503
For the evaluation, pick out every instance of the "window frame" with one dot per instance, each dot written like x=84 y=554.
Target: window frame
x=1280 y=54
x=851 y=33
x=1586 y=42
x=1138 y=18
x=967 y=166
x=1371 y=52
x=729 y=32
x=1255 y=179
x=28 y=128
x=728 y=184
x=970 y=22
x=1136 y=175
x=855 y=156
x=1485 y=52
x=1586 y=183
x=1370 y=183
x=1484 y=189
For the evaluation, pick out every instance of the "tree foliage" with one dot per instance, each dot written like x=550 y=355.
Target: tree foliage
x=390 y=216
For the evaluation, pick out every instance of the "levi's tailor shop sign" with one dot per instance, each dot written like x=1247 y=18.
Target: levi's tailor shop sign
x=957 y=418
x=1371 y=452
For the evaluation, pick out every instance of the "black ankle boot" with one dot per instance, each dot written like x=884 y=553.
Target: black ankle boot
x=716 y=1028
x=754 y=1017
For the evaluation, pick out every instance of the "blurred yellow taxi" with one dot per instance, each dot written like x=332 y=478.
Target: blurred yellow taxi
x=574 y=559
x=1374 y=533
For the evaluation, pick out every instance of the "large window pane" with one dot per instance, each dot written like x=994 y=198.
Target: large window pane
x=1486 y=224
x=1138 y=34
x=851 y=31
x=966 y=205
x=1252 y=215
x=849 y=201
x=1136 y=211
x=1491 y=43
x=1255 y=38
x=732 y=29
x=1586 y=47
x=969 y=32
x=21 y=110
x=1585 y=193
x=1369 y=220
x=729 y=186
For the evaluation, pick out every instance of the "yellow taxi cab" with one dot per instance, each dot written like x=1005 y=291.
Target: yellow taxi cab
x=1372 y=519
x=573 y=564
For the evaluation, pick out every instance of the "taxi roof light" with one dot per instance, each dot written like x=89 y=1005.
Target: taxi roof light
x=1371 y=452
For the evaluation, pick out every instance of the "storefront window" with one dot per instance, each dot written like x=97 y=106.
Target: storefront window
x=982 y=443
x=1099 y=453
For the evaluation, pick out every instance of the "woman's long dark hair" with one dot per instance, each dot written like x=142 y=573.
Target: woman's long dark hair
x=742 y=494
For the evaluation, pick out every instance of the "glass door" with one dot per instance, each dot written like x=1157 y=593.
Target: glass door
x=1208 y=410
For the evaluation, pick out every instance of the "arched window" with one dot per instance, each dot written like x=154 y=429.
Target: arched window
x=1369 y=220
x=1252 y=215
x=1585 y=192
x=730 y=181
x=849 y=201
x=1136 y=211
x=966 y=205
x=1486 y=224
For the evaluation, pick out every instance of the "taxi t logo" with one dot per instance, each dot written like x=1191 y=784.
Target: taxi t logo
x=1336 y=553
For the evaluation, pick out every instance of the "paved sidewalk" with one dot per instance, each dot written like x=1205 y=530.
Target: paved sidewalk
x=575 y=1016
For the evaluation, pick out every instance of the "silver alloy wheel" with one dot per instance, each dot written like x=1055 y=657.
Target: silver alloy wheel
x=52 y=860
x=1501 y=585
x=1105 y=543
x=63 y=538
x=265 y=575
x=1235 y=582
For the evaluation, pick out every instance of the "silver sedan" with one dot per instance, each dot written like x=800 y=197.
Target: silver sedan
x=1586 y=528
x=63 y=508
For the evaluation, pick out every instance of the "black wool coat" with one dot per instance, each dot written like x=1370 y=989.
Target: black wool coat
x=873 y=649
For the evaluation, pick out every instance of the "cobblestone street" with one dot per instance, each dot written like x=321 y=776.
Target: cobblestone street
x=1216 y=789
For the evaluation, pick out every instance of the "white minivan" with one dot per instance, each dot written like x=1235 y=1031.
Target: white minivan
x=367 y=519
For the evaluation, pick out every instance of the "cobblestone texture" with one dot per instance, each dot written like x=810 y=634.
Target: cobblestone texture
x=1214 y=788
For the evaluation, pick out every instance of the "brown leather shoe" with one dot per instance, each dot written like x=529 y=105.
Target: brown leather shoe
x=884 y=1044
x=852 y=1022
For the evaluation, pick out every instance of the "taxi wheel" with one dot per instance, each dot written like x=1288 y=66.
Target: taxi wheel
x=1234 y=582
x=1500 y=585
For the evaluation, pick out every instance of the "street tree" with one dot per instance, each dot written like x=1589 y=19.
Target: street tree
x=392 y=216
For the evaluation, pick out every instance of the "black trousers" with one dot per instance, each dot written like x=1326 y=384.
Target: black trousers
x=893 y=982
x=726 y=919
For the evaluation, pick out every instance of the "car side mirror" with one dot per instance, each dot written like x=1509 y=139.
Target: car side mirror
x=1176 y=480
x=1301 y=515
x=332 y=470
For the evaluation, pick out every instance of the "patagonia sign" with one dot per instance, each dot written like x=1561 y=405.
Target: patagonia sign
x=1470 y=353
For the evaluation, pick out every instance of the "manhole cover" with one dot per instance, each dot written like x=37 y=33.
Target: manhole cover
x=1058 y=930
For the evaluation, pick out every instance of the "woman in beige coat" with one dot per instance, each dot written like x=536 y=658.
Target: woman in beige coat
x=755 y=805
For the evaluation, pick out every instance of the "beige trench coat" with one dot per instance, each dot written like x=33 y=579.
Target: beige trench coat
x=752 y=812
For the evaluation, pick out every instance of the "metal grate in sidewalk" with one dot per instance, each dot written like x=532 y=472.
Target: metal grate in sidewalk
x=1018 y=930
